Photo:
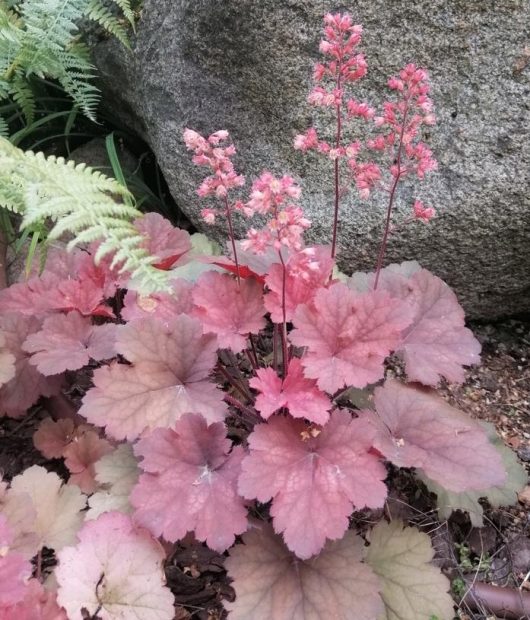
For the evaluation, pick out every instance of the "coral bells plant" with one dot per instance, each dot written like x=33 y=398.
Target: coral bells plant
x=220 y=411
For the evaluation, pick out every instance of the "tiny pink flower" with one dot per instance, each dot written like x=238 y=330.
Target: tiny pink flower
x=423 y=213
x=208 y=215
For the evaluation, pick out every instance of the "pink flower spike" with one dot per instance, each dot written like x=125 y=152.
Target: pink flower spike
x=298 y=394
x=423 y=213
x=230 y=310
x=190 y=466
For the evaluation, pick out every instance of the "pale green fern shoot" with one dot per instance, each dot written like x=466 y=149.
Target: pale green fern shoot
x=81 y=202
x=42 y=38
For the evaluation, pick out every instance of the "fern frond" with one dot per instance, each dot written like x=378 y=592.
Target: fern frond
x=4 y=129
x=102 y=15
x=126 y=9
x=42 y=38
x=80 y=201
x=24 y=97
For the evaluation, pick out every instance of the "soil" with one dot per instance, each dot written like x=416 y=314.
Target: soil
x=499 y=553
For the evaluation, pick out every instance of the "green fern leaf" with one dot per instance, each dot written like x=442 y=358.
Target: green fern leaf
x=80 y=201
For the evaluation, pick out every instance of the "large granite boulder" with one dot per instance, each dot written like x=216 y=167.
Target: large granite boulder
x=245 y=66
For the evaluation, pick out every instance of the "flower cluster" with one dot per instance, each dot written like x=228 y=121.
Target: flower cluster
x=272 y=196
x=402 y=122
x=209 y=153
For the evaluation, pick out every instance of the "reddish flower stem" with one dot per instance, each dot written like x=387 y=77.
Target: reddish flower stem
x=275 y=347
x=250 y=415
x=384 y=242
x=337 y=177
x=232 y=237
x=285 y=354
x=235 y=383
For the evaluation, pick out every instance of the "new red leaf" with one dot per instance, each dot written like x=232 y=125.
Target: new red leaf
x=348 y=335
x=163 y=240
x=229 y=309
x=418 y=429
x=295 y=392
x=190 y=484
x=167 y=378
x=272 y=584
x=315 y=477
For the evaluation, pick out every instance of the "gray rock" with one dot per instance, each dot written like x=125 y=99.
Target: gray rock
x=94 y=154
x=245 y=66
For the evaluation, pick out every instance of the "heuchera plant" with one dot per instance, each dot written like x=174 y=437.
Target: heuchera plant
x=220 y=408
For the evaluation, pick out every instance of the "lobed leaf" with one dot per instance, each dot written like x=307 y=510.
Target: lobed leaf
x=348 y=335
x=69 y=342
x=116 y=473
x=315 y=477
x=24 y=389
x=167 y=378
x=115 y=570
x=229 y=309
x=190 y=484
x=299 y=395
x=271 y=583
x=57 y=506
x=412 y=588
x=502 y=495
x=417 y=429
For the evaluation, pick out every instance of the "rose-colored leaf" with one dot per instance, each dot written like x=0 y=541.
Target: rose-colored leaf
x=20 y=517
x=51 y=438
x=14 y=574
x=348 y=335
x=272 y=584
x=58 y=507
x=163 y=240
x=437 y=343
x=48 y=293
x=114 y=570
x=315 y=477
x=68 y=342
x=190 y=484
x=300 y=286
x=38 y=604
x=505 y=495
x=18 y=394
x=168 y=377
x=116 y=473
x=229 y=309
x=419 y=429
x=81 y=455
x=295 y=392
x=164 y=306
